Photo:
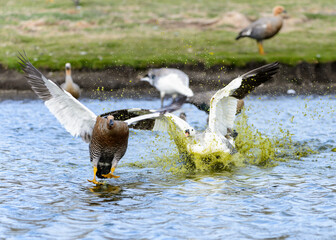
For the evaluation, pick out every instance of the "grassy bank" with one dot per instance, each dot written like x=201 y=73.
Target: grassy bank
x=159 y=33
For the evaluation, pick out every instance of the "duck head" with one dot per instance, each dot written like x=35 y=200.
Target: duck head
x=278 y=10
x=110 y=121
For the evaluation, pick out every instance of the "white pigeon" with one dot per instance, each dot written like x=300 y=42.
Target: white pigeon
x=218 y=137
x=169 y=81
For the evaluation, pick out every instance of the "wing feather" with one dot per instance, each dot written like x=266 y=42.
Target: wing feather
x=161 y=122
x=77 y=119
x=223 y=104
x=223 y=108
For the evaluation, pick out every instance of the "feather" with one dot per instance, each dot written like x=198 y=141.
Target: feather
x=77 y=119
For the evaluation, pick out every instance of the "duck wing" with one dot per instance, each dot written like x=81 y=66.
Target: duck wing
x=160 y=122
x=223 y=104
x=149 y=121
x=77 y=119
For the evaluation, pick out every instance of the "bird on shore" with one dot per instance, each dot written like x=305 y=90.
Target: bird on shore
x=219 y=136
x=107 y=136
x=169 y=81
x=69 y=84
x=264 y=28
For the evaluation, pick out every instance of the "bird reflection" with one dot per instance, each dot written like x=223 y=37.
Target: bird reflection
x=104 y=189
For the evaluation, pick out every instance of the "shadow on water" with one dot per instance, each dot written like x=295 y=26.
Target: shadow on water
x=106 y=190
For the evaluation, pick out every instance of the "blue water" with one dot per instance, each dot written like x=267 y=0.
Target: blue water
x=44 y=193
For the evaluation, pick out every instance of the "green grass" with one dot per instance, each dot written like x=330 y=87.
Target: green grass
x=131 y=32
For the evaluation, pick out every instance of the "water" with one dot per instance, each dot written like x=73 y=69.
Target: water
x=44 y=193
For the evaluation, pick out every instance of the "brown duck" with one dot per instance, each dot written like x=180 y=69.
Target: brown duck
x=107 y=137
x=264 y=28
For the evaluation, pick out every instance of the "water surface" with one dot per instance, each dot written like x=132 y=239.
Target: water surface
x=44 y=193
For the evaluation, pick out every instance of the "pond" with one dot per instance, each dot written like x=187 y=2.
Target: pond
x=44 y=193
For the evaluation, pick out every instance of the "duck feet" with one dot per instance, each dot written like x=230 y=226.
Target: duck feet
x=94 y=177
x=110 y=175
x=95 y=182
x=261 y=49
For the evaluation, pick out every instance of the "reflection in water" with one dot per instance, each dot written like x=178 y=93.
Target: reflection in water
x=105 y=190
x=44 y=193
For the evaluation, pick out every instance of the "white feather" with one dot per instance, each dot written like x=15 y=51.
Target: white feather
x=77 y=119
x=162 y=121
x=223 y=108
x=248 y=32
x=131 y=121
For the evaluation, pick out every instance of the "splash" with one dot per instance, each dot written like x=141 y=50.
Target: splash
x=254 y=148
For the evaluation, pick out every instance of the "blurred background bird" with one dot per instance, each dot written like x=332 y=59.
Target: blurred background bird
x=169 y=81
x=69 y=84
x=264 y=28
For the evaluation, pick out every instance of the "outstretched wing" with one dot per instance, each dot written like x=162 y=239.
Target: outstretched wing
x=148 y=122
x=202 y=101
x=223 y=104
x=254 y=78
x=160 y=122
x=77 y=119
x=127 y=114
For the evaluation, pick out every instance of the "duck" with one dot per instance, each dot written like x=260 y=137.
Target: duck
x=219 y=135
x=169 y=81
x=69 y=84
x=264 y=28
x=107 y=136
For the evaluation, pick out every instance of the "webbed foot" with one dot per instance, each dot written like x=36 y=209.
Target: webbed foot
x=95 y=182
x=110 y=175
x=94 y=177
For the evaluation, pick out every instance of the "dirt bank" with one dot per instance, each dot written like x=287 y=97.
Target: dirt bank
x=304 y=78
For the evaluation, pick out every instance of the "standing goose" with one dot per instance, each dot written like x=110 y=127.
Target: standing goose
x=169 y=81
x=69 y=84
x=107 y=138
x=264 y=28
x=219 y=136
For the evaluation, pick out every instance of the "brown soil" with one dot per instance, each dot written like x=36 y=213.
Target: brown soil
x=304 y=78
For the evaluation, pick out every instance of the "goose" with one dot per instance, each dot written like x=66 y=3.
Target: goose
x=264 y=28
x=69 y=84
x=219 y=136
x=107 y=136
x=169 y=81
